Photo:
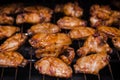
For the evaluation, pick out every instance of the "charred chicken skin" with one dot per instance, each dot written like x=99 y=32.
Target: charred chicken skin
x=94 y=44
x=70 y=9
x=109 y=31
x=44 y=28
x=116 y=42
x=103 y=15
x=34 y=14
x=53 y=67
x=12 y=59
x=67 y=55
x=13 y=42
x=7 y=31
x=91 y=64
x=81 y=32
x=70 y=22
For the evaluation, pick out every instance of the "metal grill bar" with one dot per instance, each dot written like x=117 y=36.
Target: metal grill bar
x=43 y=77
x=85 y=78
x=16 y=72
x=118 y=55
x=2 y=73
x=30 y=68
x=79 y=44
x=109 y=66
x=99 y=76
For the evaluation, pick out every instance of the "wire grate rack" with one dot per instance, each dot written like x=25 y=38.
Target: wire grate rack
x=110 y=72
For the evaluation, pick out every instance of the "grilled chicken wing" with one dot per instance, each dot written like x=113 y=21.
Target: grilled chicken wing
x=13 y=43
x=70 y=22
x=11 y=8
x=49 y=44
x=109 y=31
x=4 y=19
x=53 y=67
x=70 y=9
x=81 y=32
x=7 y=31
x=12 y=59
x=34 y=14
x=103 y=15
x=7 y=12
x=65 y=53
x=91 y=64
x=44 y=28
x=116 y=42
x=94 y=45
x=42 y=40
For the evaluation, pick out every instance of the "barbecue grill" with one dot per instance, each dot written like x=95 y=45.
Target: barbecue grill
x=110 y=72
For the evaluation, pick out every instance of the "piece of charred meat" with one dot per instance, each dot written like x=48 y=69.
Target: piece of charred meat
x=13 y=42
x=109 y=31
x=53 y=67
x=81 y=32
x=49 y=44
x=70 y=22
x=94 y=44
x=34 y=14
x=67 y=55
x=116 y=42
x=43 y=28
x=91 y=64
x=7 y=31
x=70 y=9
x=12 y=59
x=103 y=15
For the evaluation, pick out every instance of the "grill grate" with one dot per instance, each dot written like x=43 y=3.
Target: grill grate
x=29 y=72
x=110 y=72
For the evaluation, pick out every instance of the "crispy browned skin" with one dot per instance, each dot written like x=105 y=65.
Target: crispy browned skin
x=116 y=42
x=109 y=31
x=13 y=42
x=70 y=9
x=94 y=45
x=81 y=32
x=70 y=22
x=34 y=14
x=103 y=15
x=42 y=40
x=6 y=12
x=4 y=19
x=11 y=8
x=43 y=28
x=53 y=67
x=12 y=59
x=49 y=44
x=7 y=31
x=91 y=64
